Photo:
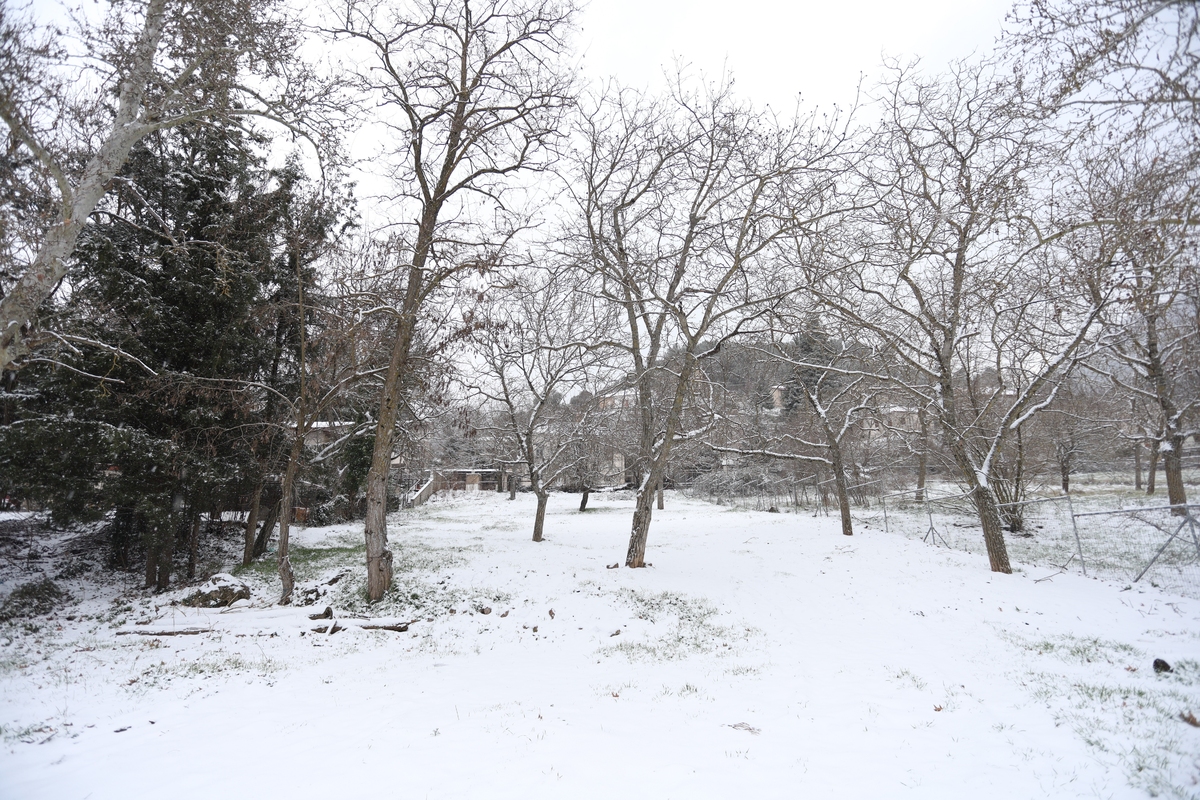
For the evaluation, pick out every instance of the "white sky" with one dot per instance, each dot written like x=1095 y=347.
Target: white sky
x=778 y=49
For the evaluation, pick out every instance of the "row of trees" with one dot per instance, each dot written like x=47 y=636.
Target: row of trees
x=679 y=277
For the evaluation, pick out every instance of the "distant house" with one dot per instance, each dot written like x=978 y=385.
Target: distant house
x=323 y=433
x=470 y=479
x=890 y=418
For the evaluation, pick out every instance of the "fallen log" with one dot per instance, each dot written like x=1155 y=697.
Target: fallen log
x=175 y=632
x=399 y=627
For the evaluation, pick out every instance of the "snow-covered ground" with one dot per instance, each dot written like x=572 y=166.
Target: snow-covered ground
x=761 y=655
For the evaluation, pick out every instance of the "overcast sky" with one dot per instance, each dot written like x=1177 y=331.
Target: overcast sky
x=778 y=49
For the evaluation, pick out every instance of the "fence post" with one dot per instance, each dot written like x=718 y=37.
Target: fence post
x=1192 y=525
x=1075 y=527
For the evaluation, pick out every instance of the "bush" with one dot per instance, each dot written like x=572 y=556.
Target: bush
x=33 y=599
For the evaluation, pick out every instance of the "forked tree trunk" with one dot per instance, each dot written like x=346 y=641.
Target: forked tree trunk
x=837 y=464
x=539 y=519
x=656 y=459
x=263 y=539
x=252 y=525
x=1172 y=457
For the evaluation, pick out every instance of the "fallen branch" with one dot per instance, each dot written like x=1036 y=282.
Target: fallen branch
x=1061 y=570
x=176 y=632
x=398 y=627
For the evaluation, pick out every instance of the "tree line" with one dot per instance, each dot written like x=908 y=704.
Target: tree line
x=990 y=270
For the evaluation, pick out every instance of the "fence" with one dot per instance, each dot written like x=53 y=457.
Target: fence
x=1100 y=534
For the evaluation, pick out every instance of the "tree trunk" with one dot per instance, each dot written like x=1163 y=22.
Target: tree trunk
x=252 y=524
x=152 y=547
x=379 y=557
x=583 y=500
x=540 y=519
x=1009 y=491
x=993 y=530
x=922 y=454
x=1172 y=456
x=193 y=545
x=1137 y=466
x=642 y=511
x=986 y=506
x=286 y=577
x=840 y=487
x=1152 y=472
x=655 y=459
x=512 y=486
x=166 y=557
x=1065 y=469
x=660 y=495
x=263 y=539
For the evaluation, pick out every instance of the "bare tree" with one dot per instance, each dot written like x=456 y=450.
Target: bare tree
x=830 y=378
x=538 y=350
x=1114 y=58
x=151 y=65
x=1146 y=197
x=473 y=93
x=683 y=203
x=956 y=280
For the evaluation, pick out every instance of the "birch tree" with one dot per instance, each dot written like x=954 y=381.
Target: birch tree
x=149 y=66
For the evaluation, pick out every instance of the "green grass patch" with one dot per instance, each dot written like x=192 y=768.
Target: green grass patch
x=686 y=625
x=1135 y=726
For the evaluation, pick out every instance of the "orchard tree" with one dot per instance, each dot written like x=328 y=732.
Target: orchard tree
x=1145 y=199
x=954 y=279
x=832 y=381
x=683 y=203
x=472 y=94
x=537 y=351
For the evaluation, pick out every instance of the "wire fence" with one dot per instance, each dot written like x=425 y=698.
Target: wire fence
x=1103 y=535
x=1102 y=528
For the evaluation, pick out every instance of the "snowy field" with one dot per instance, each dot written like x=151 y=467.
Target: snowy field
x=761 y=655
